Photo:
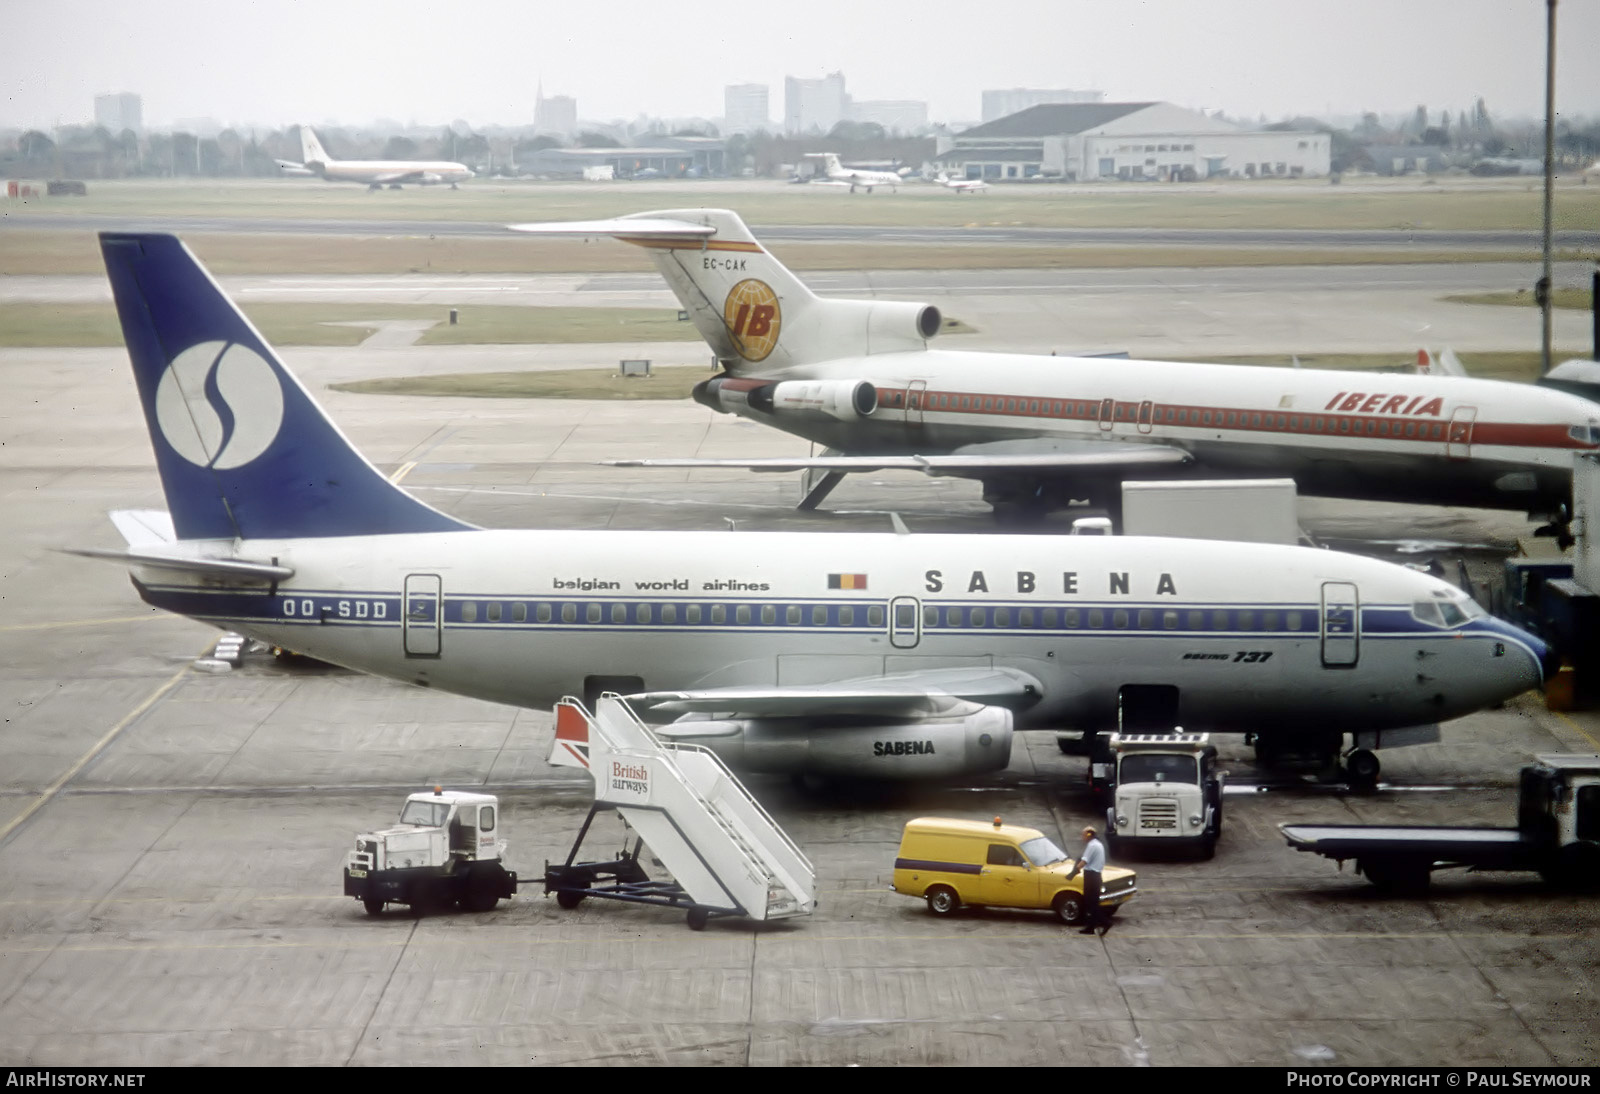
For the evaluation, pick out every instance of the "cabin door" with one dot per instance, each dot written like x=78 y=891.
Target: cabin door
x=1108 y=412
x=1147 y=414
x=423 y=620
x=1458 y=435
x=916 y=396
x=1341 y=624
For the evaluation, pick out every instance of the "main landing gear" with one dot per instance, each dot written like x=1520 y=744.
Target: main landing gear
x=1559 y=527
x=1320 y=755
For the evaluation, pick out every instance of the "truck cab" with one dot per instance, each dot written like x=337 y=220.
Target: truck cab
x=445 y=850
x=1166 y=790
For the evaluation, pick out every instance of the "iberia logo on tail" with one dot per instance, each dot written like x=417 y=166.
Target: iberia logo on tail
x=752 y=316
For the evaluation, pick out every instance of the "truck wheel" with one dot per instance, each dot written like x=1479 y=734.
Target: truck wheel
x=698 y=918
x=373 y=905
x=1068 y=908
x=1579 y=866
x=1208 y=847
x=1400 y=878
x=942 y=900
x=1362 y=766
x=568 y=899
x=481 y=894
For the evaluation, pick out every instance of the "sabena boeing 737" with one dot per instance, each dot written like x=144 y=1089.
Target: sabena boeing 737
x=887 y=656
x=375 y=173
x=858 y=378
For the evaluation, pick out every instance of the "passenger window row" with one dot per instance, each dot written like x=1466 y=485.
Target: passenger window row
x=1299 y=423
x=642 y=614
x=1094 y=619
x=934 y=617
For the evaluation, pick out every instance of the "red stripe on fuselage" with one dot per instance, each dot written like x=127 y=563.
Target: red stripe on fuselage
x=1428 y=429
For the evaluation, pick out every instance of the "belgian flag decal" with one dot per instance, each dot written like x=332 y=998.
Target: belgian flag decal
x=847 y=581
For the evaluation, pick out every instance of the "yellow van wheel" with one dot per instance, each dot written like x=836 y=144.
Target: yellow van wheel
x=1068 y=908
x=942 y=900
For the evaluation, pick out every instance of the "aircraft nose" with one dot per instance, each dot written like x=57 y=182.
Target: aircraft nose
x=1549 y=662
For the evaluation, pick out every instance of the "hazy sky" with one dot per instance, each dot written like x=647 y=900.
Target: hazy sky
x=277 y=62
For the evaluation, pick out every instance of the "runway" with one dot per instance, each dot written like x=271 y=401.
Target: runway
x=1445 y=239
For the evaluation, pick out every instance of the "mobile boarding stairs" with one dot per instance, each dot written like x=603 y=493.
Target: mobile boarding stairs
x=725 y=853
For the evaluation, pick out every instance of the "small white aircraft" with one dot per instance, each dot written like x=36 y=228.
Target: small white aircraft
x=885 y=656
x=375 y=173
x=961 y=186
x=853 y=177
x=858 y=378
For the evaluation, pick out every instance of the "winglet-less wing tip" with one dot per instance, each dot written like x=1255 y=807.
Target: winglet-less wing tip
x=634 y=228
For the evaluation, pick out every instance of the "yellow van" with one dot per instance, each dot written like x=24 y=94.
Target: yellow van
x=954 y=862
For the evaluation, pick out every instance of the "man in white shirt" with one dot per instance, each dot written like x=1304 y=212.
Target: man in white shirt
x=1091 y=862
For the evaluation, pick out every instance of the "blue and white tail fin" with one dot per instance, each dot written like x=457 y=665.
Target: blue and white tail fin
x=243 y=450
x=752 y=312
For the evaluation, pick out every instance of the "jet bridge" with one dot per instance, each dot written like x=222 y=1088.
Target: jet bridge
x=725 y=853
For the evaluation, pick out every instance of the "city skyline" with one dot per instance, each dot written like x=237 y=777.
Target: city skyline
x=280 y=62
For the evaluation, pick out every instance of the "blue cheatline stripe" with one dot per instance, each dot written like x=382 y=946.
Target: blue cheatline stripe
x=386 y=609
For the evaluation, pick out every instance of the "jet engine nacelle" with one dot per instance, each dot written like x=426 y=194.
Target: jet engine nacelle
x=843 y=400
x=969 y=740
x=878 y=326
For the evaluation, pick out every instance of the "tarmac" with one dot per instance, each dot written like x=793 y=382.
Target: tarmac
x=171 y=839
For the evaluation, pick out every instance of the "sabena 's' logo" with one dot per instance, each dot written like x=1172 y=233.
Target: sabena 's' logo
x=219 y=405
x=751 y=313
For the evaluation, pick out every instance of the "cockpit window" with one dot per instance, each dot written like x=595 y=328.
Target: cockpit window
x=1447 y=611
x=1427 y=611
x=1585 y=434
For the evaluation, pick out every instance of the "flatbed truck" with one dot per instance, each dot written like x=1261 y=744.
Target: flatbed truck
x=1557 y=835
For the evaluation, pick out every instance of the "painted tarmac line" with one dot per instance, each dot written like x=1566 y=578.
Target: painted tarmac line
x=98 y=747
x=1585 y=733
x=153 y=616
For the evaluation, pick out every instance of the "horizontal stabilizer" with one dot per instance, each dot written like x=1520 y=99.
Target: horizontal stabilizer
x=907 y=694
x=634 y=228
x=237 y=568
x=143 y=527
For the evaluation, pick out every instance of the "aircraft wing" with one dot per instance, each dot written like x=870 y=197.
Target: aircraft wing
x=973 y=461
x=929 y=691
x=631 y=227
x=399 y=176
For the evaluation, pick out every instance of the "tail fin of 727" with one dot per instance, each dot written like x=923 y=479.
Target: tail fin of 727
x=243 y=450
x=749 y=308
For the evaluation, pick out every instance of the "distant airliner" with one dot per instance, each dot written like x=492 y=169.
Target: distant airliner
x=889 y=656
x=857 y=377
x=375 y=173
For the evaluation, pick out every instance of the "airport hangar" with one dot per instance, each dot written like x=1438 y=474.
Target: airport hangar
x=1083 y=142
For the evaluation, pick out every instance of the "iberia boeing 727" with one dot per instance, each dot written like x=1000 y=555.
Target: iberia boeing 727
x=859 y=378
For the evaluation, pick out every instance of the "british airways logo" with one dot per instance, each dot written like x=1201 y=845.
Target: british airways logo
x=219 y=405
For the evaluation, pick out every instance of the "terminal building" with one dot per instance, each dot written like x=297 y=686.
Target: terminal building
x=1154 y=141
